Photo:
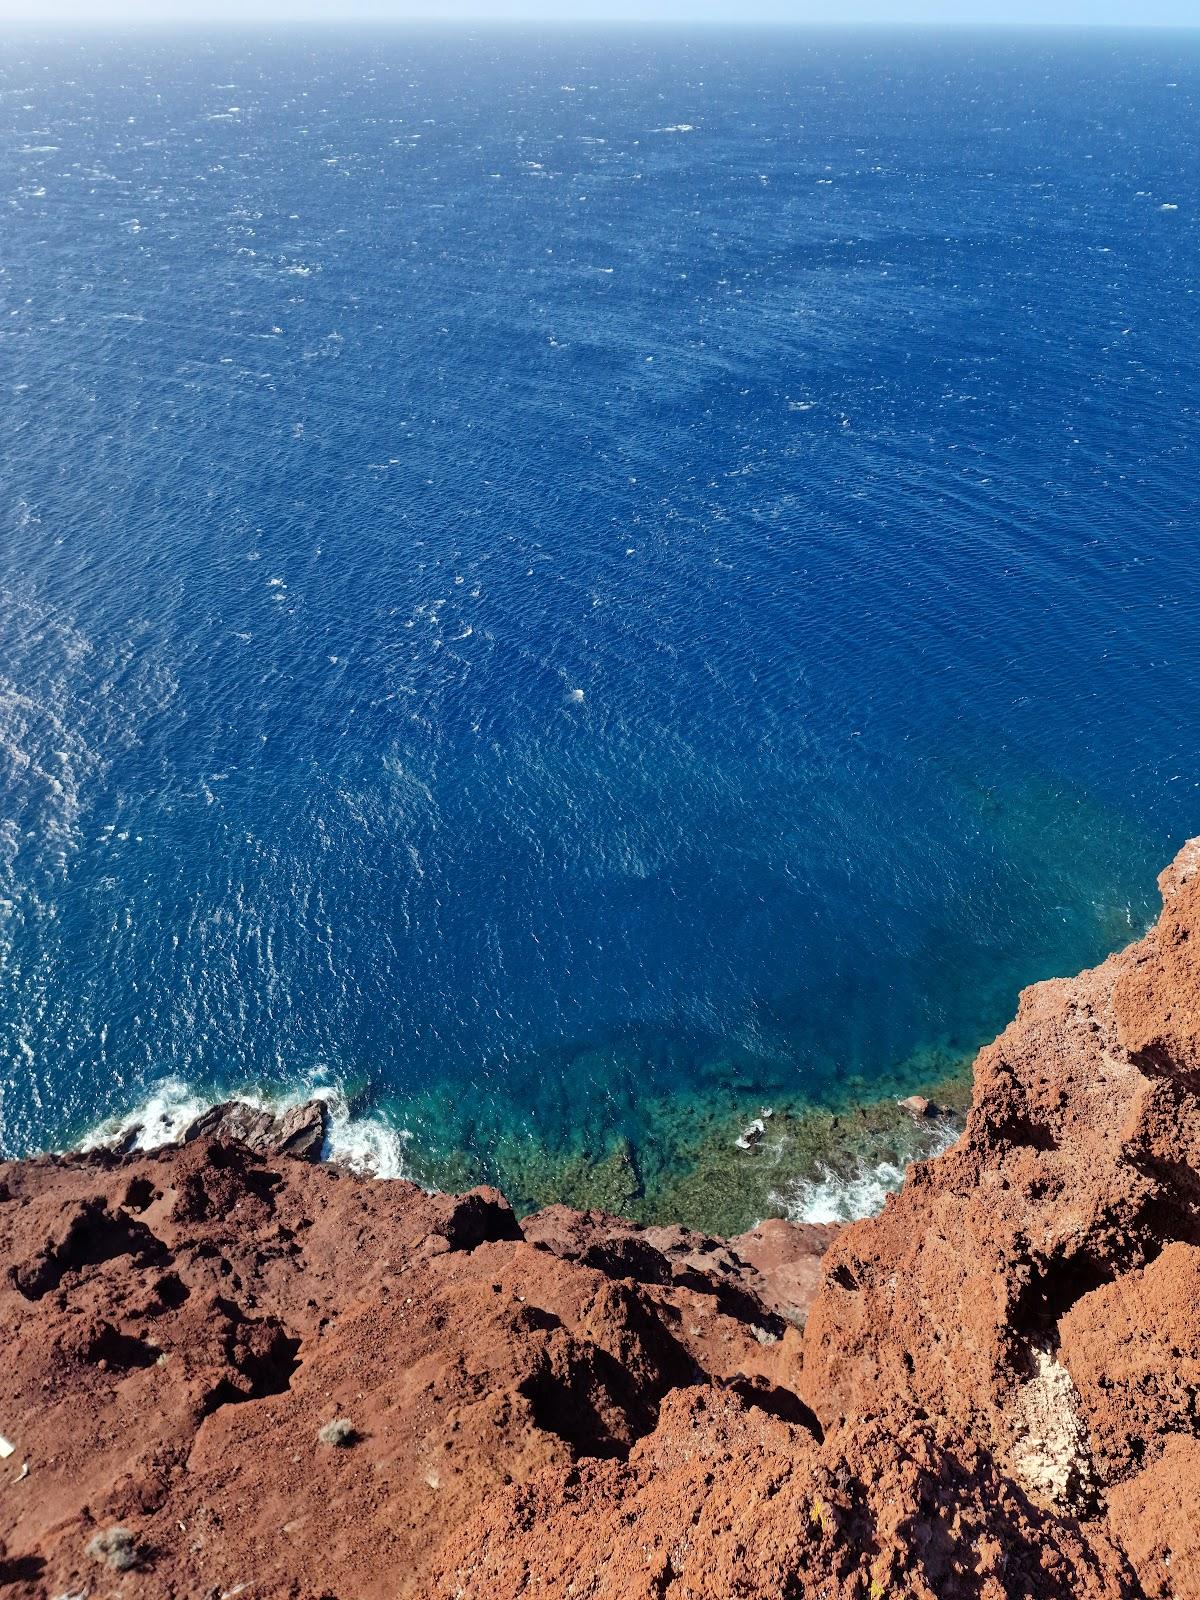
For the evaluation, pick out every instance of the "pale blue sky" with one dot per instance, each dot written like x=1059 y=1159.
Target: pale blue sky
x=1138 y=13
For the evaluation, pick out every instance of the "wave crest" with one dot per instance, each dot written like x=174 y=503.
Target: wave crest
x=369 y=1145
x=849 y=1196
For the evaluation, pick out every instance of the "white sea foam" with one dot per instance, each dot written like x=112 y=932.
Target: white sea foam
x=835 y=1197
x=831 y=1196
x=366 y=1144
x=160 y=1119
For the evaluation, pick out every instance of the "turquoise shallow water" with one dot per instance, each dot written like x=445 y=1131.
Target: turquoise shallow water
x=567 y=590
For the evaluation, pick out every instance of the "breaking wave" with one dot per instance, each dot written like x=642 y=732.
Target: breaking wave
x=366 y=1144
x=830 y=1196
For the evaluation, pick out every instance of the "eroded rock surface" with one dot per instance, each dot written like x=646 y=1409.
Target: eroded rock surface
x=247 y=1373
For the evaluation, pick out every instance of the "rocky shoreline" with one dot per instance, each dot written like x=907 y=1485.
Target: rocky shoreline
x=234 y=1370
x=802 y=1160
x=300 y=1131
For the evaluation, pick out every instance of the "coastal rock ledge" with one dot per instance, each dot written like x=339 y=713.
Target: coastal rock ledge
x=231 y=1371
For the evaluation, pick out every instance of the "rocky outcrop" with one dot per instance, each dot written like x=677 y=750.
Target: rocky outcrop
x=768 y=1275
x=231 y=1371
x=181 y=1325
x=299 y=1130
x=1037 y=1282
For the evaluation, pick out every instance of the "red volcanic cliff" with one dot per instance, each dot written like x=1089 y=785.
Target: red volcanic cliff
x=994 y=1392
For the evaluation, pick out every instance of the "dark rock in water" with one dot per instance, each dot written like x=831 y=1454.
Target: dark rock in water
x=231 y=1119
x=299 y=1132
x=126 y=1141
x=752 y=1135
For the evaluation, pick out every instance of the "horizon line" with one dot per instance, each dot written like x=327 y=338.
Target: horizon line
x=630 y=24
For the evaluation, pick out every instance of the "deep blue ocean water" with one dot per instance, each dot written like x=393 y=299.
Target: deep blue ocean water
x=546 y=578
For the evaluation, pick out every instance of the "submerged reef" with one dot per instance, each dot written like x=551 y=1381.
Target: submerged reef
x=234 y=1369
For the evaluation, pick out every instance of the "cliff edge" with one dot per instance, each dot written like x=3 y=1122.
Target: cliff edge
x=230 y=1370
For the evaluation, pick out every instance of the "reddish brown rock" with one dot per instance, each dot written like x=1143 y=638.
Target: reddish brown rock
x=774 y=1268
x=1035 y=1285
x=994 y=1395
x=1158 y=1020
x=919 y=1107
x=787 y=1259
x=1153 y=1515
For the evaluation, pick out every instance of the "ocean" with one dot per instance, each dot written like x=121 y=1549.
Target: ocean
x=567 y=591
